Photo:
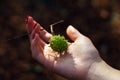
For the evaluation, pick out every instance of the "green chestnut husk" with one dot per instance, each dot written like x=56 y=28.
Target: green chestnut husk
x=58 y=43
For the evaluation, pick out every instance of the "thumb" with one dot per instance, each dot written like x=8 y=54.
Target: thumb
x=73 y=33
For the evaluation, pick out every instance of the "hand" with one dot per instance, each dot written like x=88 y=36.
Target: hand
x=76 y=61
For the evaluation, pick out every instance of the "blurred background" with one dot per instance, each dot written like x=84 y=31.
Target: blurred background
x=97 y=19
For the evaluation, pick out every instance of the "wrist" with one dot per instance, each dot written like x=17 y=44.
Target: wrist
x=102 y=71
x=95 y=69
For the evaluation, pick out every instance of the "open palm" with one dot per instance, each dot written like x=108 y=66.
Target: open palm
x=76 y=61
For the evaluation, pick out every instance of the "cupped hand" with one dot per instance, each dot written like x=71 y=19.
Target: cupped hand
x=74 y=63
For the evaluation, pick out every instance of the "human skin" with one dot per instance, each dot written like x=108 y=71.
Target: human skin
x=81 y=61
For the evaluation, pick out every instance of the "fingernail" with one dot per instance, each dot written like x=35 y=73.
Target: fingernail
x=71 y=28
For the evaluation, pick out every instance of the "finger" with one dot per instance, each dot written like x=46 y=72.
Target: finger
x=30 y=24
x=44 y=34
x=73 y=33
x=40 y=41
x=37 y=49
x=35 y=30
